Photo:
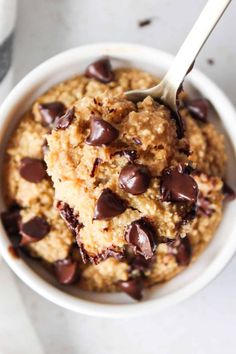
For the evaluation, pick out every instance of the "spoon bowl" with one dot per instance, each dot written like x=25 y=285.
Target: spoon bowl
x=167 y=90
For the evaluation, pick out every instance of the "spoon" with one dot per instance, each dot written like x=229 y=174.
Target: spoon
x=167 y=90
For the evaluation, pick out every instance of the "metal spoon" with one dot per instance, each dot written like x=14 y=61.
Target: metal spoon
x=167 y=90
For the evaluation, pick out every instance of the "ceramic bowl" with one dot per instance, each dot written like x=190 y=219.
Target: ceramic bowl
x=212 y=260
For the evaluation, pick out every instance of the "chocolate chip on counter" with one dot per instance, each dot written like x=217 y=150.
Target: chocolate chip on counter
x=97 y=161
x=145 y=22
x=100 y=70
x=10 y=220
x=32 y=170
x=64 y=121
x=183 y=251
x=198 y=108
x=66 y=271
x=177 y=186
x=142 y=236
x=135 y=178
x=33 y=230
x=101 y=132
x=133 y=288
x=229 y=193
x=210 y=61
x=50 y=111
x=130 y=155
x=109 y=205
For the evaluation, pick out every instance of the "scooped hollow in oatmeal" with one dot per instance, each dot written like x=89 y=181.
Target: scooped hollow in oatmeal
x=125 y=185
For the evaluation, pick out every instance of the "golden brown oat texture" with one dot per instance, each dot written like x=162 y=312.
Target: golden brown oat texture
x=70 y=161
x=28 y=140
x=38 y=199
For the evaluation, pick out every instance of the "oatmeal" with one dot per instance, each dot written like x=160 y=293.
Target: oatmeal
x=103 y=190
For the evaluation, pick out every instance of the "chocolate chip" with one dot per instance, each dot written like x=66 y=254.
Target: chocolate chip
x=176 y=186
x=50 y=111
x=101 y=132
x=229 y=193
x=100 y=70
x=179 y=123
x=33 y=230
x=66 y=271
x=210 y=61
x=133 y=287
x=142 y=236
x=183 y=251
x=97 y=161
x=64 y=121
x=32 y=170
x=70 y=218
x=109 y=204
x=130 y=155
x=135 y=178
x=198 y=108
x=83 y=253
x=145 y=22
x=10 y=220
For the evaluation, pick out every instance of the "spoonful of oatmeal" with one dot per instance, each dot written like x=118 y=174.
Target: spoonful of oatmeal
x=167 y=90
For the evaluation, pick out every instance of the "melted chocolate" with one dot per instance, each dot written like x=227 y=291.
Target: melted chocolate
x=66 y=271
x=141 y=235
x=198 y=109
x=135 y=179
x=64 y=121
x=177 y=186
x=109 y=205
x=32 y=170
x=100 y=70
x=101 y=132
x=50 y=112
x=33 y=230
x=133 y=287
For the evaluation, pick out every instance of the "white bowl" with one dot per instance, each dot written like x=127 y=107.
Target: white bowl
x=213 y=259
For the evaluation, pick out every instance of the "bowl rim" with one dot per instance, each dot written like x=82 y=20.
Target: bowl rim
x=48 y=291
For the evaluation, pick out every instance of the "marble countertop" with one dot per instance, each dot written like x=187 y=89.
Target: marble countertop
x=205 y=323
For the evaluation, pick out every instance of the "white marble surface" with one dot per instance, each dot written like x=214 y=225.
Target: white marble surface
x=205 y=323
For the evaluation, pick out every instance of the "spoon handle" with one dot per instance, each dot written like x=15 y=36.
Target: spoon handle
x=193 y=43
